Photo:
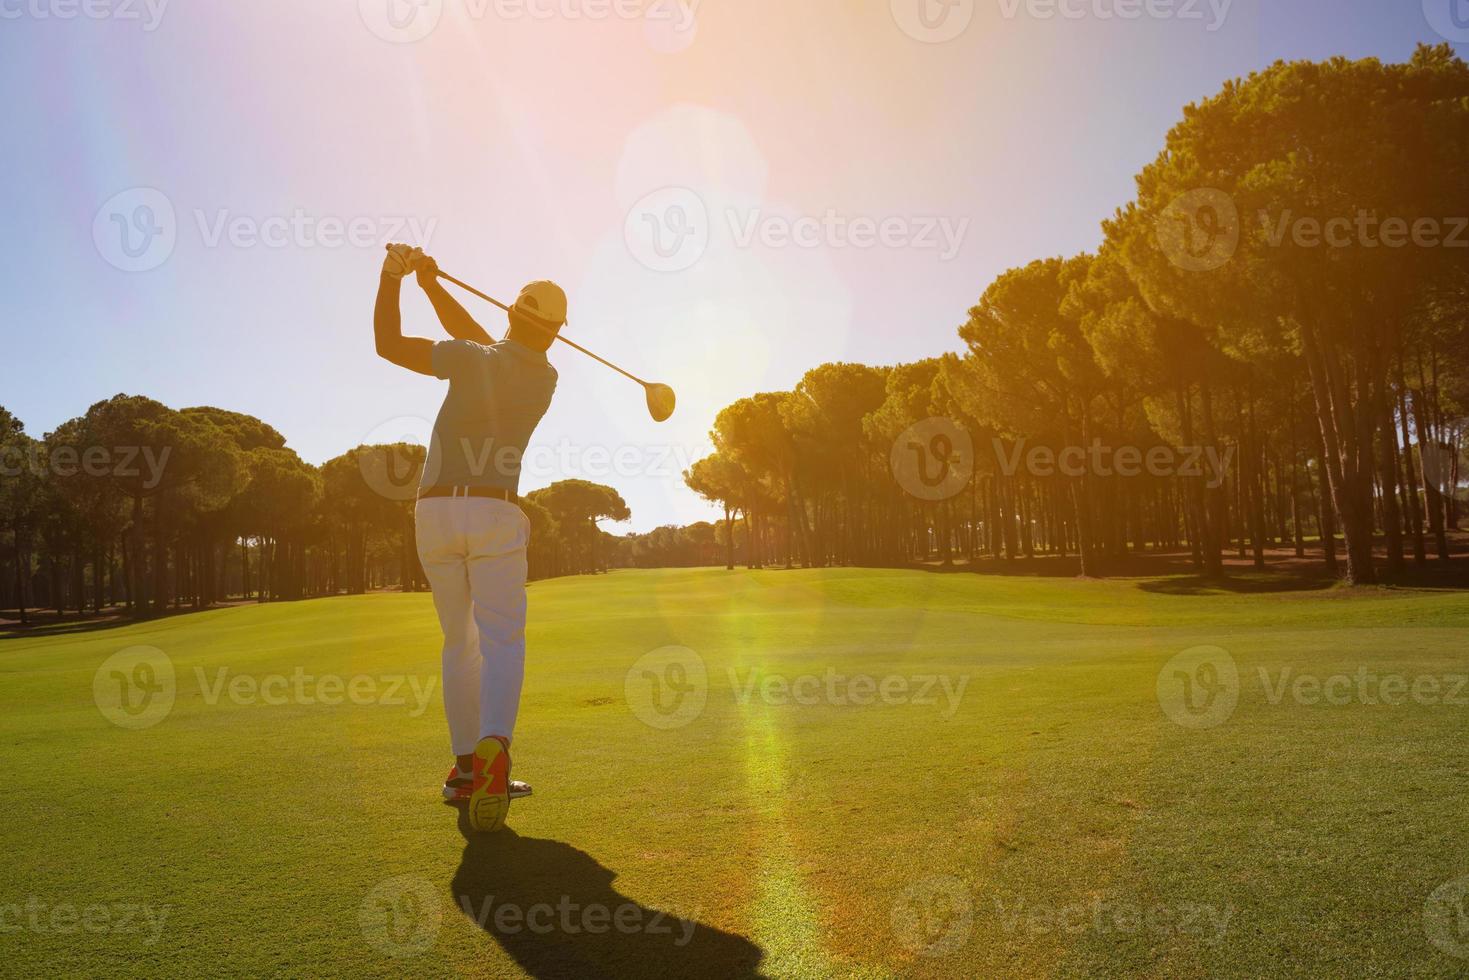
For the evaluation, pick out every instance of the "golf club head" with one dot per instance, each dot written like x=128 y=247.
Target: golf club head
x=660 y=402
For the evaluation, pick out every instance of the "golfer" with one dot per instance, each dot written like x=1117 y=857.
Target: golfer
x=472 y=534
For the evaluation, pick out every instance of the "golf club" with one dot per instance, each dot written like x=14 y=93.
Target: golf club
x=661 y=399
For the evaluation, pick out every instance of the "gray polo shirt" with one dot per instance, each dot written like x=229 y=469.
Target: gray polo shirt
x=496 y=398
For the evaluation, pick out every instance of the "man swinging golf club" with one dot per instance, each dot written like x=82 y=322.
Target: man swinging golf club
x=472 y=535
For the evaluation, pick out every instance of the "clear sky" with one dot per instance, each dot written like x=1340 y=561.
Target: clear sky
x=655 y=163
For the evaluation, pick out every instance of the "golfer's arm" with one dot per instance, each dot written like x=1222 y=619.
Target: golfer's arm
x=455 y=318
x=413 y=353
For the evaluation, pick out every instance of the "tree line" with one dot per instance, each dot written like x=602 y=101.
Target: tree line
x=1269 y=349
x=139 y=505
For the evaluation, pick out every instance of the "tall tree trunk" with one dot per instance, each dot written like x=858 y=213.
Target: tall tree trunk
x=1387 y=475
x=1433 y=499
x=1346 y=457
x=1409 y=474
x=22 y=574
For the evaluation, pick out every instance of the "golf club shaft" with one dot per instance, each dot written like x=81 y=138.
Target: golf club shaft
x=561 y=337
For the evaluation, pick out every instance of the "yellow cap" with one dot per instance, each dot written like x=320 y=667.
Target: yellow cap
x=544 y=301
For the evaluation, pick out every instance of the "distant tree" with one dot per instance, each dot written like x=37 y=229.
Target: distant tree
x=720 y=480
x=577 y=506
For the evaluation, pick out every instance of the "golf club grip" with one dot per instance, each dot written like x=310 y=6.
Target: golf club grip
x=467 y=287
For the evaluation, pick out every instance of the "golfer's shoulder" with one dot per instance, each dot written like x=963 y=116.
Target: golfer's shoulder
x=463 y=348
x=522 y=358
x=456 y=358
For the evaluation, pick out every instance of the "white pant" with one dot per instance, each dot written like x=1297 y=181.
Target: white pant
x=473 y=551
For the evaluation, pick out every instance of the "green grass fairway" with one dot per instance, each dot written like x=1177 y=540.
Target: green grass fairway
x=1051 y=821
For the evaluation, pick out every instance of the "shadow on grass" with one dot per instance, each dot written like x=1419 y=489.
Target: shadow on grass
x=68 y=624
x=1433 y=575
x=16 y=631
x=48 y=623
x=1258 y=583
x=553 y=908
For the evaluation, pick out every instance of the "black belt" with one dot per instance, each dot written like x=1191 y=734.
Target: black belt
x=492 y=493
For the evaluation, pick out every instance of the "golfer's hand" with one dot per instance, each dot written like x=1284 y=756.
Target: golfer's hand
x=427 y=269
x=401 y=260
